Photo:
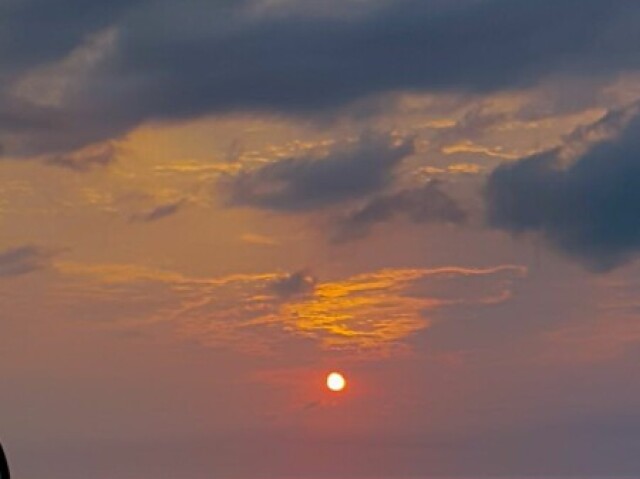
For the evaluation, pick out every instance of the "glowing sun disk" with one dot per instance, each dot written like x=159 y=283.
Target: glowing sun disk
x=336 y=382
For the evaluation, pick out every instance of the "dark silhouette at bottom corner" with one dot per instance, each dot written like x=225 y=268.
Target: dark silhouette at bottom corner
x=4 y=466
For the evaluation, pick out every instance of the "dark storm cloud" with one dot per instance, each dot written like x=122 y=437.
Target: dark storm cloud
x=297 y=63
x=22 y=260
x=34 y=32
x=425 y=204
x=20 y=116
x=309 y=182
x=37 y=34
x=177 y=60
x=588 y=209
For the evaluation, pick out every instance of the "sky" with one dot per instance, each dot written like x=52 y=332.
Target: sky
x=207 y=206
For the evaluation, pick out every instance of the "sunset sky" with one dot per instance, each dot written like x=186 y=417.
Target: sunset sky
x=206 y=206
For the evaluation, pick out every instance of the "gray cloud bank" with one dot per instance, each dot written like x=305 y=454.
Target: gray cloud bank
x=176 y=60
x=424 y=204
x=22 y=260
x=590 y=208
x=309 y=182
x=363 y=171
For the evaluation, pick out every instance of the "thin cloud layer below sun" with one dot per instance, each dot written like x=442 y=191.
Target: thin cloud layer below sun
x=369 y=314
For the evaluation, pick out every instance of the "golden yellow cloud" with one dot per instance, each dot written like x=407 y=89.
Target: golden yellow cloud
x=371 y=314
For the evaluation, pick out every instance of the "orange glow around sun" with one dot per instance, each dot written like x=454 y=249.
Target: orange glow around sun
x=336 y=382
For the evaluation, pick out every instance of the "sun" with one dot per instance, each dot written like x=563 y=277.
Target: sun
x=336 y=382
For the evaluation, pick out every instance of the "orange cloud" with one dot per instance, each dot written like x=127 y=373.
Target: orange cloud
x=366 y=314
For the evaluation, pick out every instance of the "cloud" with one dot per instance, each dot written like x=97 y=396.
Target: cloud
x=471 y=126
x=64 y=25
x=22 y=260
x=424 y=204
x=170 y=61
x=260 y=240
x=159 y=212
x=309 y=62
x=308 y=182
x=367 y=314
x=86 y=159
x=582 y=197
x=294 y=284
